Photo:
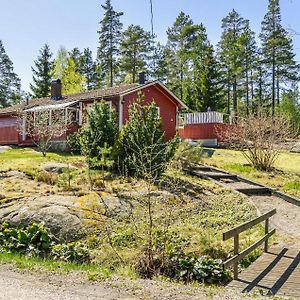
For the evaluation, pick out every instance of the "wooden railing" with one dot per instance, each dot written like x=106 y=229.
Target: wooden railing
x=200 y=118
x=234 y=233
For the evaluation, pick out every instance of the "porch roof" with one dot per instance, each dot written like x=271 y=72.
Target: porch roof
x=51 y=106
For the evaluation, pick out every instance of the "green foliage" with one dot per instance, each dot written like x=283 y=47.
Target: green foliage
x=9 y=81
x=278 y=53
x=110 y=35
x=42 y=73
x=65 y=70
x=101 y=130
x=168 y=248
x=187 y=155
x=89 y=69
x=290 y=107
x=124 y=238
x=232 y=46
x=203 y=269
x=73 y=143
x=141 y=148
x=250 y=258
x=33 y=239
x=135 y=49
x=71 y=252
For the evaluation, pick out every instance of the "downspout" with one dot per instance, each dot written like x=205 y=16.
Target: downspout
x=121 y=112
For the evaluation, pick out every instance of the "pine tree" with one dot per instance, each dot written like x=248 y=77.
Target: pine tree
x=249 y=55
x=88 y=68
x=42 y=73
x=9 y=81
x=76 y=54
x=66 y=70
x=231 y=55
x=277 y=50
x=202 y=89
x=110 y=35
x=136 y=48
x=158 y=67
x=175 y=54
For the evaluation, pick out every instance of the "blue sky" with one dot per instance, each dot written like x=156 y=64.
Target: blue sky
x=26 y=25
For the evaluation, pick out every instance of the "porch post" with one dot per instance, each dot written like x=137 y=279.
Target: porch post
x=50 y=117
x=24 y=128
x=80 y=114
x=66 y=116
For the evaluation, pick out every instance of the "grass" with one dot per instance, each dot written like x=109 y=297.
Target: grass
x=285 y=176
x=28 y=160
x=36 y=263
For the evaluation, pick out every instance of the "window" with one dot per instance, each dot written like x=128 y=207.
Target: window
x=158 y=112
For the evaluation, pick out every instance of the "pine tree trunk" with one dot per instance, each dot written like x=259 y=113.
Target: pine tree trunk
x=235 y=98
x=260 y=87
x=181 y=81
x=247 y=92
x=278 y=89
x=252 y=91
x=273 y=81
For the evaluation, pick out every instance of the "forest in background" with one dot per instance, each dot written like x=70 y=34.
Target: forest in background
x=243 y=73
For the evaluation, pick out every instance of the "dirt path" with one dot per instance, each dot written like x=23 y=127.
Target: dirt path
x=24 y=284
x=287 y=219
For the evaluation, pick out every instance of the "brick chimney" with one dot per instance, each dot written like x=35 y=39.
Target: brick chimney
x=56 y=89
x=142 y=78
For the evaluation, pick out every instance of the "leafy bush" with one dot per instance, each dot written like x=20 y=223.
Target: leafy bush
x=203 y=269
x=167 y=247
x=72 y=252
x=74 y=143
x=33 y=239
x=101 y=130
x=187 y=155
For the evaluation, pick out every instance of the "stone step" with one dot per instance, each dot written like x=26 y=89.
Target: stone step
x=254 y=191
x=215 y=175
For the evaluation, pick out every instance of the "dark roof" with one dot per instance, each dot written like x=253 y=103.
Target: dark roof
x=87 y=95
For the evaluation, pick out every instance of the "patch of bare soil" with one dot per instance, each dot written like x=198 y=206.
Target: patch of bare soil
x=23 y=285
x=287 y=219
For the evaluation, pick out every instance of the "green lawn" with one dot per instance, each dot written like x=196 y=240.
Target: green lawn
x=26 y=159
x=285 y=177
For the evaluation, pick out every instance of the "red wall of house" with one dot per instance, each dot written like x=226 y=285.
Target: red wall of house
x=9 y=134
x=167 y=107
x=203 y=131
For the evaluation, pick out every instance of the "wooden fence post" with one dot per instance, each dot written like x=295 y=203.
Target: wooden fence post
x=266 y=232
x=236 y=252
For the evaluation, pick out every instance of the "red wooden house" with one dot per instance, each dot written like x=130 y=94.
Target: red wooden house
x=120 y=98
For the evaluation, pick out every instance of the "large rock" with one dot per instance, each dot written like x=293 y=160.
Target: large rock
x=54 y=167
x=59 y=214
